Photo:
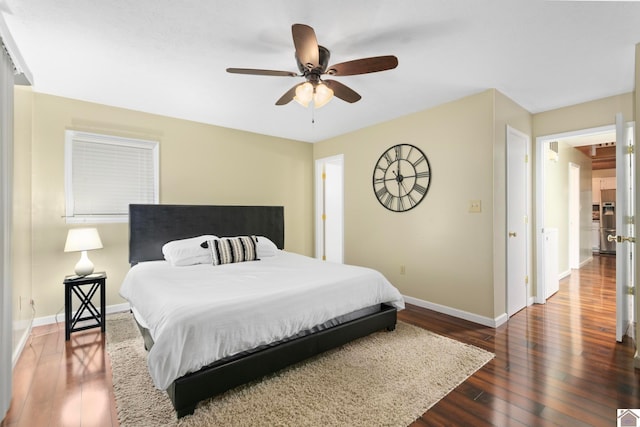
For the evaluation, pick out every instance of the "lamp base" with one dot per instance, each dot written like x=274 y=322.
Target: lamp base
x=84 y=266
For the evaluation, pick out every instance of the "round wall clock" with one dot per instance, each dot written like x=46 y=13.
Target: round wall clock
x=401 y=177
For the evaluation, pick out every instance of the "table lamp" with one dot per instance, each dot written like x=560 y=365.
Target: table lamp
x=83 y=239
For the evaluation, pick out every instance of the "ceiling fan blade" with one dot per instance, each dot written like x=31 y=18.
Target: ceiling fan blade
x=363 y=66
x=342 y=91
x=306 y=44
x=261 y=72
x=288 y=96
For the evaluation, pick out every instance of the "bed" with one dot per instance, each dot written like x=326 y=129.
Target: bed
x=152 y=226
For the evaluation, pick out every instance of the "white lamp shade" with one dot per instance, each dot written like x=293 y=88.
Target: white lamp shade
x=322 y=95
x=319 y=93
x=304 y=94
x=82 y=239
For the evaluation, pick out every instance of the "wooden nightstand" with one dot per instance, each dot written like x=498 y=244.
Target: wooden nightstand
x=84 y=288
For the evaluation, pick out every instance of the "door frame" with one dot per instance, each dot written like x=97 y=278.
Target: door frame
x=574 y=214
x=625 y=269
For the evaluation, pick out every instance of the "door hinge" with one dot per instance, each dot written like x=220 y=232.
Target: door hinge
x=526 y=280
x=526 y=219
x=630 y=149
x=630 y=219
x=631 y=290
x=526 y=158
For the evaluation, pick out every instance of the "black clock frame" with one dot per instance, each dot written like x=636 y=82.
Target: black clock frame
x=401 y=155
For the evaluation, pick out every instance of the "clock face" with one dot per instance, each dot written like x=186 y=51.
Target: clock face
x=401 y=178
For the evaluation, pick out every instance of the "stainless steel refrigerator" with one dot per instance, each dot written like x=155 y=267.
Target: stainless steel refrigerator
x=607 y=227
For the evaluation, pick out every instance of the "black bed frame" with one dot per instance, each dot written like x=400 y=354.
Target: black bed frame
x=151 y=226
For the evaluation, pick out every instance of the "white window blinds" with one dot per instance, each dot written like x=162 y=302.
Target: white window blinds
x=104 y=174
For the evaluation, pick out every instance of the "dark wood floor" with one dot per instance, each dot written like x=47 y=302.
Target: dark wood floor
x=556 y=363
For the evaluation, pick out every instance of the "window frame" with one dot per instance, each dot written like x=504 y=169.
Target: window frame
x=72 y=136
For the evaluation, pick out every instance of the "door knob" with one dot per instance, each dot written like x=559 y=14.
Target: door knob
x=620 y=239
x=512 y=234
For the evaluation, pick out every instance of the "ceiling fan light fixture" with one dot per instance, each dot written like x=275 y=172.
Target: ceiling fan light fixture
x=319 y=93
x=304 y=94
x=322 y=94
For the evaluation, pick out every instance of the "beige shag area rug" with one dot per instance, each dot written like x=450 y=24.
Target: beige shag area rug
x=385 y=379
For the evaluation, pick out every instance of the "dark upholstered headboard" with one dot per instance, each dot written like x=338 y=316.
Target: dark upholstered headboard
x=151 y=226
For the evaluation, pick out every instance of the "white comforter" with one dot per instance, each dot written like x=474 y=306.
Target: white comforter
x=202 y=313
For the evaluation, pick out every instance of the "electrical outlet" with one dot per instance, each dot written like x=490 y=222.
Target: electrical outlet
x=402 y=270
x=475 y=206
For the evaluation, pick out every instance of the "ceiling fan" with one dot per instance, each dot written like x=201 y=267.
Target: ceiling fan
x=313 y=60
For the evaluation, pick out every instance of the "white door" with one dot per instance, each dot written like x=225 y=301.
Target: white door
x=625 y=230
x=330 y=209
x=517 y=220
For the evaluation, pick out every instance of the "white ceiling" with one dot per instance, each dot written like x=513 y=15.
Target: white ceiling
x=169 y=57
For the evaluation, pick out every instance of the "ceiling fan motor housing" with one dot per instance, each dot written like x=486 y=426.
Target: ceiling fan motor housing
x=310 y=69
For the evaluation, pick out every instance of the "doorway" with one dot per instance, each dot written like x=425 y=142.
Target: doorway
x=604 y=192
x=329 y=211
x=568 y=197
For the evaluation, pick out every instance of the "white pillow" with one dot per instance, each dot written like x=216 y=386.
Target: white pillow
x=265 y=247
x=188 y=251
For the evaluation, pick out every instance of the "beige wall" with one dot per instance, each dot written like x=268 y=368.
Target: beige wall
x=448 y=252
x=199 y=164
x=600 y=112
x=21 y=230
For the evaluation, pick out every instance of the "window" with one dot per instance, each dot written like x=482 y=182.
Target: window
x=104 y=174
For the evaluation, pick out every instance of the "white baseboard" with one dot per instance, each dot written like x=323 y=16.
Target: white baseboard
x=56 y=318
x=18 y=350
x=586 y=261
x=564 y=274
x=461 y=314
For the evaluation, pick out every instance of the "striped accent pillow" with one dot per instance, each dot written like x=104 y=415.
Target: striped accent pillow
x=227 y=250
